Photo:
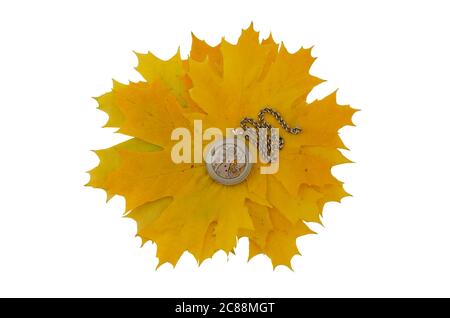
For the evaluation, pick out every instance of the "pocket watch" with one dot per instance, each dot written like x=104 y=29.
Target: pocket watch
x=229 y=160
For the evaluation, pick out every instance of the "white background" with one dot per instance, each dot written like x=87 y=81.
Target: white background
x=388 y=58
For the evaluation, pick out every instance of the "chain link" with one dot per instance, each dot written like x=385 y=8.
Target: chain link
x=261 y=123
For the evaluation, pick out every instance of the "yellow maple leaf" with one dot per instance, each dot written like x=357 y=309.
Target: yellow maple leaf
x=178 y=206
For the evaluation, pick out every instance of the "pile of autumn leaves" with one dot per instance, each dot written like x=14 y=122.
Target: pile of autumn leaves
x=178 y=206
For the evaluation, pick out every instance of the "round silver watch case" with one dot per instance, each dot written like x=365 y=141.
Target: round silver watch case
x=228 y=161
